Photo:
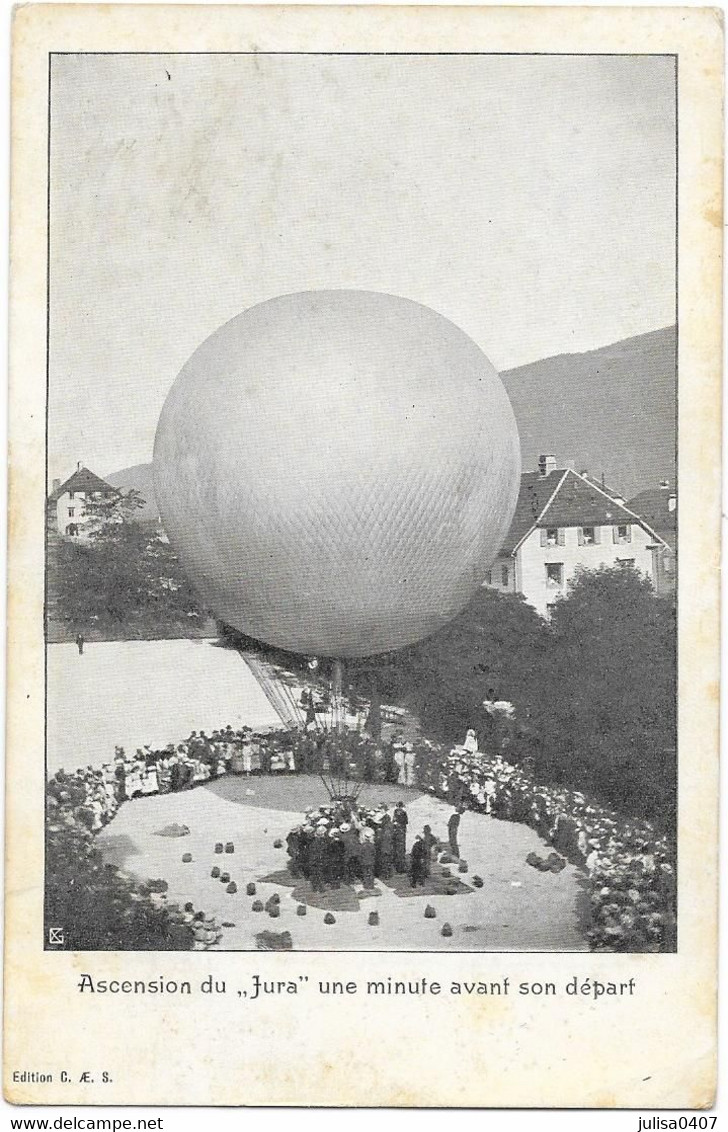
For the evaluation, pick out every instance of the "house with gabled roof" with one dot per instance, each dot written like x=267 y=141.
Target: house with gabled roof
x=658 y=507
x=67 y=502
x=564 y=521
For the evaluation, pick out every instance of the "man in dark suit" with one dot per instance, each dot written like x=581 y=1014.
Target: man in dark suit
x=453 y=827
x=418 y=870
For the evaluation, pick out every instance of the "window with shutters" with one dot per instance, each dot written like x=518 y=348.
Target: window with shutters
x=588 y=536
x=552 y=536
x=622 y=534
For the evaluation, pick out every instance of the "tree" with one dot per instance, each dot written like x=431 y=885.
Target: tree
x=123 y=575
x=607 y=710
x=495 y=643
x=110 y=515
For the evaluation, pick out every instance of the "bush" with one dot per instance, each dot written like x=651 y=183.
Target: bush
x=101 y=909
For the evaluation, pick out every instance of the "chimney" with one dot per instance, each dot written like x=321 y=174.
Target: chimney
x=78 y=465
x=671 y=501
x=56 y=485
x=546 y=465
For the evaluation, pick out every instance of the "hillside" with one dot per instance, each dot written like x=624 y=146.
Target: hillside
x=610 y=411
x=141 y=478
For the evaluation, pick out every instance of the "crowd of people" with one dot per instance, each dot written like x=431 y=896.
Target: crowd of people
x=352 y=754
x=200 y=757
x=629 y=867
x=346 y=843
x=100 y=906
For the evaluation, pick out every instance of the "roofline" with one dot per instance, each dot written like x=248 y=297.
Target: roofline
x=589 y=483
x=540 y=515
x=56 y=494
x=624 y=507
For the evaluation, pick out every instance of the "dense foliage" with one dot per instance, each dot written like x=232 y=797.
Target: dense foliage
x=606 y=706
x=593 y=688
x=124 y=577
x=97 y=907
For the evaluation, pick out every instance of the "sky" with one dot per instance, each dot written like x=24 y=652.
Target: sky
x=529 y=199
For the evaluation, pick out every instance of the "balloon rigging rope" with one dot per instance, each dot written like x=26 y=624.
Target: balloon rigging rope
x=271 y=689
x=297 y=716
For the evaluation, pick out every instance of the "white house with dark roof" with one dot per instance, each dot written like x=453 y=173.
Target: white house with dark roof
x=67 y=502
x=565 y=521
x=658 y=507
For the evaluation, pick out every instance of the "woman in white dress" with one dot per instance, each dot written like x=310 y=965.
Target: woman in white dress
x=409 y=764
x=150 y=781
x=471 y=742
x=134 y=777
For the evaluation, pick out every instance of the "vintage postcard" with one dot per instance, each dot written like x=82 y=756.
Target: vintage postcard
x=364 y=548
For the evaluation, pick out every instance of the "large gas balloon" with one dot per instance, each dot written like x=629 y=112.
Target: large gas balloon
x=337 y=471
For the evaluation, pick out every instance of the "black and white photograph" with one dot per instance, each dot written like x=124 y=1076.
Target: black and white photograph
x=361 y=527
x=364 y=515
